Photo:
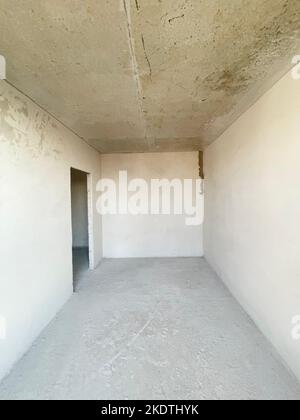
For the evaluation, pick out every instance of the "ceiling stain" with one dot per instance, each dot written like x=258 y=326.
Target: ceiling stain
x=147 y=75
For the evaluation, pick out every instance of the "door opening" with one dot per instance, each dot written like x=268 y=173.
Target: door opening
x=80 y=224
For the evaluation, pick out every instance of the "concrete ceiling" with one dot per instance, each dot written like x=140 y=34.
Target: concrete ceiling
x=147 y=75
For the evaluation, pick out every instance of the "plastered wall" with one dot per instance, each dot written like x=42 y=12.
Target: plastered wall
x=252 y=209
x=130 y=236
x=36 y=154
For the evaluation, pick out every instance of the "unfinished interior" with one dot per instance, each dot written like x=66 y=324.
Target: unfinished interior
x=93 y=89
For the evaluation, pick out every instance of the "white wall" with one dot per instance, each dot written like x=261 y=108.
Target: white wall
x=149 y=235
x=36 y=154
x=252 y=208
x=79 y=195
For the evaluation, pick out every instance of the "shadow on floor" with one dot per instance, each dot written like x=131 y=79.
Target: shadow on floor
x=80 y=265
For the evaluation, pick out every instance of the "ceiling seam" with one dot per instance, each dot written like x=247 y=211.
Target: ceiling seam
x=135 y=67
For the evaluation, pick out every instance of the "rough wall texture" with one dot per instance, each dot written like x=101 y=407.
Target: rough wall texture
x=252 y=207
x=140 y=75
x=36 y=154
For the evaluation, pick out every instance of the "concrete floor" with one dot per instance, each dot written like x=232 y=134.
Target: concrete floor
x=151 y=329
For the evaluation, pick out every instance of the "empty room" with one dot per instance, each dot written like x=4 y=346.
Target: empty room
x=149 y=202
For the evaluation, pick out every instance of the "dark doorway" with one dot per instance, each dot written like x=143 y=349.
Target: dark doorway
x=80 y=225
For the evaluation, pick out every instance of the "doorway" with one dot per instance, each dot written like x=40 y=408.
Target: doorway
x=80 y=225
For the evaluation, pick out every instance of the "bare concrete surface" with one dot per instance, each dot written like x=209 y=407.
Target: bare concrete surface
x=151 y=329
x=147 y=75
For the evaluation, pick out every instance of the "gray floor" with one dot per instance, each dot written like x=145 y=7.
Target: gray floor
x=80 y=265
x=151 y=329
